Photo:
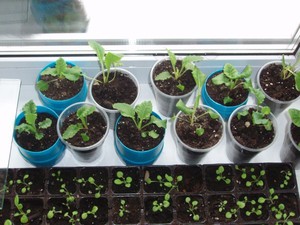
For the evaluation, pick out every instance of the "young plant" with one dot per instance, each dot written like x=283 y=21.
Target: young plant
x=187 y=64
x=220 y=176
x=30 y=125
x=231 y=78
x=141 y=116
x=57 y=176
x=91 y=180
x=289 y=70
x=107 y=60
x=295 y=117
x=166 y=181
x=92 y=212
x=287 y=177
x=199 y=78
x=82 y=113
x=159 y=206
x=250 y=177
x=282 y=216
x=232 y=212
x=122 y=209
x=60 y=71
x=26 y=184
x=21 y=213
x=8 y=222
x=5 y=188
x=126 y=181
x=193 y=206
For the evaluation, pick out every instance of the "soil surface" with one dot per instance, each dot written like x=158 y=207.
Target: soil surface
x=28 y=141
x=165 y=216
x=120 y=90
x=219 y=92
x=61 y=89
x=213 y=130
x=152 y=173
x=131 y=137
x=96 y=129
x=192 y=178
x=277 y=88
x=169 y=86
x=251 y=136
x=277 y=176
x=183 y=213
x=131 y=172
x=132 y=214
x=212 y=182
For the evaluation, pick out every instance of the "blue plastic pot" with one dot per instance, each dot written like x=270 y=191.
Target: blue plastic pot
x=135 y=157
x=225 y=111
x=47 y=157
x=59 y=105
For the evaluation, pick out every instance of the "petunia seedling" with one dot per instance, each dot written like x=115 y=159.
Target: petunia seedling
x=193 y=207
x=220 y=175
x=121 y=180
x=289 y=70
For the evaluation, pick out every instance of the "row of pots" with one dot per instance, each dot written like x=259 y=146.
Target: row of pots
x=166 y=105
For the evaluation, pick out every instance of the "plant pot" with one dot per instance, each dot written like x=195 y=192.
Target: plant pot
x=238 y=152
x=47 y=157
x=166 y=102
x=137 y=157
x=282 y=100
x=224 y=110
x=104 y=97
x=193 y=154
x=85 y=152
x=59 y=105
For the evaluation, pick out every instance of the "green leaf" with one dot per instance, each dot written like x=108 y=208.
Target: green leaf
x=230 y=71
x=188 y=61
x=258 y=118
x=228 y=215
x=220 y=170
x=200 y=131
x=246 y=72
x=60 y=66
x=196 y=217
x=50 y=71
x=153 y=134
x=265 y=110
x=259 y=95
x=295 y=116
x=128 y=179
x=72 y=130
x=73 y=73
x=125 y=109
x=42 y=85
x=163 y=76
x=8 y=222
x=179 y=178
x=172 y=58
x=84 y=216
x=50 y=214
x=111 y=59
x=199 y=77
x=85 y=111
x=120 y=174
x=29 y=108
x=144 y=110
x=227 y=100
x=180 y=87
x=187 y=199
x=99 y=51
x=24 y=219
x=25 y=128
x=166 y=204
x=45 y=123
x=85 y=137
x=212 y=114
x=242 y=113
x=220 y=79
x=118 y=182
x=297 y=81
x=182 y=107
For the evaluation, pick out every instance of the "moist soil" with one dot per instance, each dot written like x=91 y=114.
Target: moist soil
x=213 y=130
x=213 y=184
x=119 y=90
x=276 y=175
x=274 y=86
x=61 y=89
x=252 y=136
x=58 y=176
x=131 y=172
x=192 y=179
x=295 y=131
x=152 y=173
x=169 y=86
x=28 y=141
x=100 y=217
x=132 y=138
x=219 y=92
x=132 y=214
x=165 y=216
x=96 y=129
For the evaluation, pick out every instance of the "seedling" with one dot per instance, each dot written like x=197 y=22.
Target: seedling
x=59 y=72
x=187 y=64
x=30 y=125
x=232 y=79
x=270 y=199
x=8 y=222
x=107 y=60
x=82 y=113
x=121 y=180
x=199 y=78
x=92 y=212
x=21 y=213
x=122 y=209
x=289 y=70
x=6 y=187
x=91 y=180
x=295 y=117
x=287 y=178
x=159 y=206
x=69 y=196
x=251 y=178
x=193 y=206
x=26 y=184
x=57 y=176
x=282 y=216
x=221 y=176
x=166 y=181
x=142 y=117
x=232 y=212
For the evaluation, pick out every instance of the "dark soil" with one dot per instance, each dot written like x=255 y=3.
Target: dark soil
x=152 y=173
x=169 y=86
x=276 y=177
x=290 y=202
x=166 y=216
x=6 y=187
x=183 y=213
x=59 y=176
x=213 y=184
x=132 y=214
x=219 y=92
x=192 y=179
x=186 y=132
x=61 y=89
x=127 y=172
x=121 y=90
x=100 y=217
x=28 y=141
x=252 y=136
x=277 y=88
x=131 y=137
x=5 y=212
x=295 y=131
x=96 y=129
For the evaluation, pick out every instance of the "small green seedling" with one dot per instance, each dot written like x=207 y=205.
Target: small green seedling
x=21 y=213
x=290 y=70
x=231 y=78
x=121 y=180
x=221 y=176
x=282 y=216
x=82 y=113
x=6 y=186
x=187 y=64
x=60 y=71
x=91 y=180
x=8 y=222
x=232 y=212
x=53 y=212
x=287 y=177
x=250 y=177
x=256 y=206
x=107 y=60
x=142 y=117
x=69 y=196
x=159 y=206
x=166 y=181
x=92 y=212
x=193 y=207
x=295 y=117
x=57 y=176
x=199 y=78
x=26 y=184
x=30 y=125
x=122 y=209
x=72 y=217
